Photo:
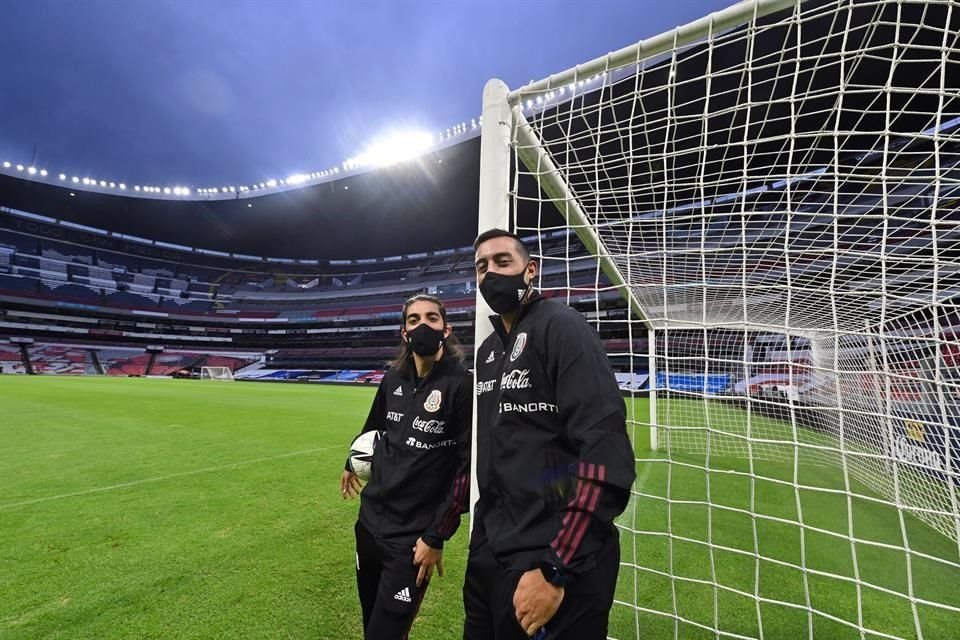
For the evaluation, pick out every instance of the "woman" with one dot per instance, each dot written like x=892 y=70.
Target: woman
x=420 y=476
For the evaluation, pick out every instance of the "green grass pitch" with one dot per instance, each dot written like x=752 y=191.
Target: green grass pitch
x=138 y=508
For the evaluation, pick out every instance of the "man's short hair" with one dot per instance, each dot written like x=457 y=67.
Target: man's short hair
x=490 y=234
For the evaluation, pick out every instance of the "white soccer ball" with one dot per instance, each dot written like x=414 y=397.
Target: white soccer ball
x=361 y=453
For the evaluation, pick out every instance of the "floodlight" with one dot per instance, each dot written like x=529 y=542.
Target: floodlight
x=396 y=147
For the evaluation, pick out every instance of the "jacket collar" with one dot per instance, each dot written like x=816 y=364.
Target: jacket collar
x=497 y=322
x=440 y=367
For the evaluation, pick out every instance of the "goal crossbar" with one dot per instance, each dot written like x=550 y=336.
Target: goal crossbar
x=729 y=18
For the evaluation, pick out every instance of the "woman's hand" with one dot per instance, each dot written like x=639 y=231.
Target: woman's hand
x=349 y=485
x=427 y=558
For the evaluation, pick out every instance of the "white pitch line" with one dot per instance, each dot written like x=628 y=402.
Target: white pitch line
x=134 y=483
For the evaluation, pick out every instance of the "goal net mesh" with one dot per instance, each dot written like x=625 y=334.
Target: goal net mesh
x=779 y=206
x=216 y=373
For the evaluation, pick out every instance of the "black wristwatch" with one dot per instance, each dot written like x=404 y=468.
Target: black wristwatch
x=553 y=574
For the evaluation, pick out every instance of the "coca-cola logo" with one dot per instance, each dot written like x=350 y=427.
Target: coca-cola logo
x=429 y=426
x=516 y=379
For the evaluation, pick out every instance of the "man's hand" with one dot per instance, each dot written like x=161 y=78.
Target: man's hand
x=349 y=485
x=535 y=601
x=427 y=558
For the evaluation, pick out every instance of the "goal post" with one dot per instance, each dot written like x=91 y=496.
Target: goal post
x=216 y=373
x=760 y=212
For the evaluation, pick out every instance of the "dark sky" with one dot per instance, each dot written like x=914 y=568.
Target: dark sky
x=210 y=92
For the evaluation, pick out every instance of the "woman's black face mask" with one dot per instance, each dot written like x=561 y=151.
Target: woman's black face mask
x=425 y=340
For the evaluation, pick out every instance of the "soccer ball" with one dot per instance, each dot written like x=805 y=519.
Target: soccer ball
x=361 y=453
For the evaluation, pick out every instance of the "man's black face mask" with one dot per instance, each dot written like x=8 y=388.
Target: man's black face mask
x=504 y=293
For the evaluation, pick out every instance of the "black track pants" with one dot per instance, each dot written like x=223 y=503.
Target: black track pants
x=583 y=615
x=386 y=582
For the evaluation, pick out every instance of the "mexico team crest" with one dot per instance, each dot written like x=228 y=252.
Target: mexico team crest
x=518 y=346
x=432 y=403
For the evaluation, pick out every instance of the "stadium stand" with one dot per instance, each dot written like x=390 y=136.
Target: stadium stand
x=10 y=361
x=61 y=359
x=328 y=316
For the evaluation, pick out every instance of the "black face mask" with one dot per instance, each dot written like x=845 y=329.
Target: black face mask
x=502 y=292
x=425 y=340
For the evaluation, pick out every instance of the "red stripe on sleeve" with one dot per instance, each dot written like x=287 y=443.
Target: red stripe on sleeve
x=456 y=506
x=580 y=528
x=581 y=506
x=576 y=514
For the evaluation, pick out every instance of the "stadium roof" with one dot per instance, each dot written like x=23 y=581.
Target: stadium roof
x=426 y=204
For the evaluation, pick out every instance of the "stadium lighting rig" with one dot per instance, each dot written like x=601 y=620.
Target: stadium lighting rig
x=397 y=147
x=393 y=149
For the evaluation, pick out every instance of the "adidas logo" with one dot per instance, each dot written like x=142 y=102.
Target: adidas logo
x=490 y=358
x=403 y=595
x=398 y=392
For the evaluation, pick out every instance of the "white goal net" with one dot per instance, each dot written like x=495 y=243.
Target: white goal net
x=216 y=373
x=760 y=212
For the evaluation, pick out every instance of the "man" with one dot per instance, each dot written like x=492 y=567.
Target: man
x=554 y=463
